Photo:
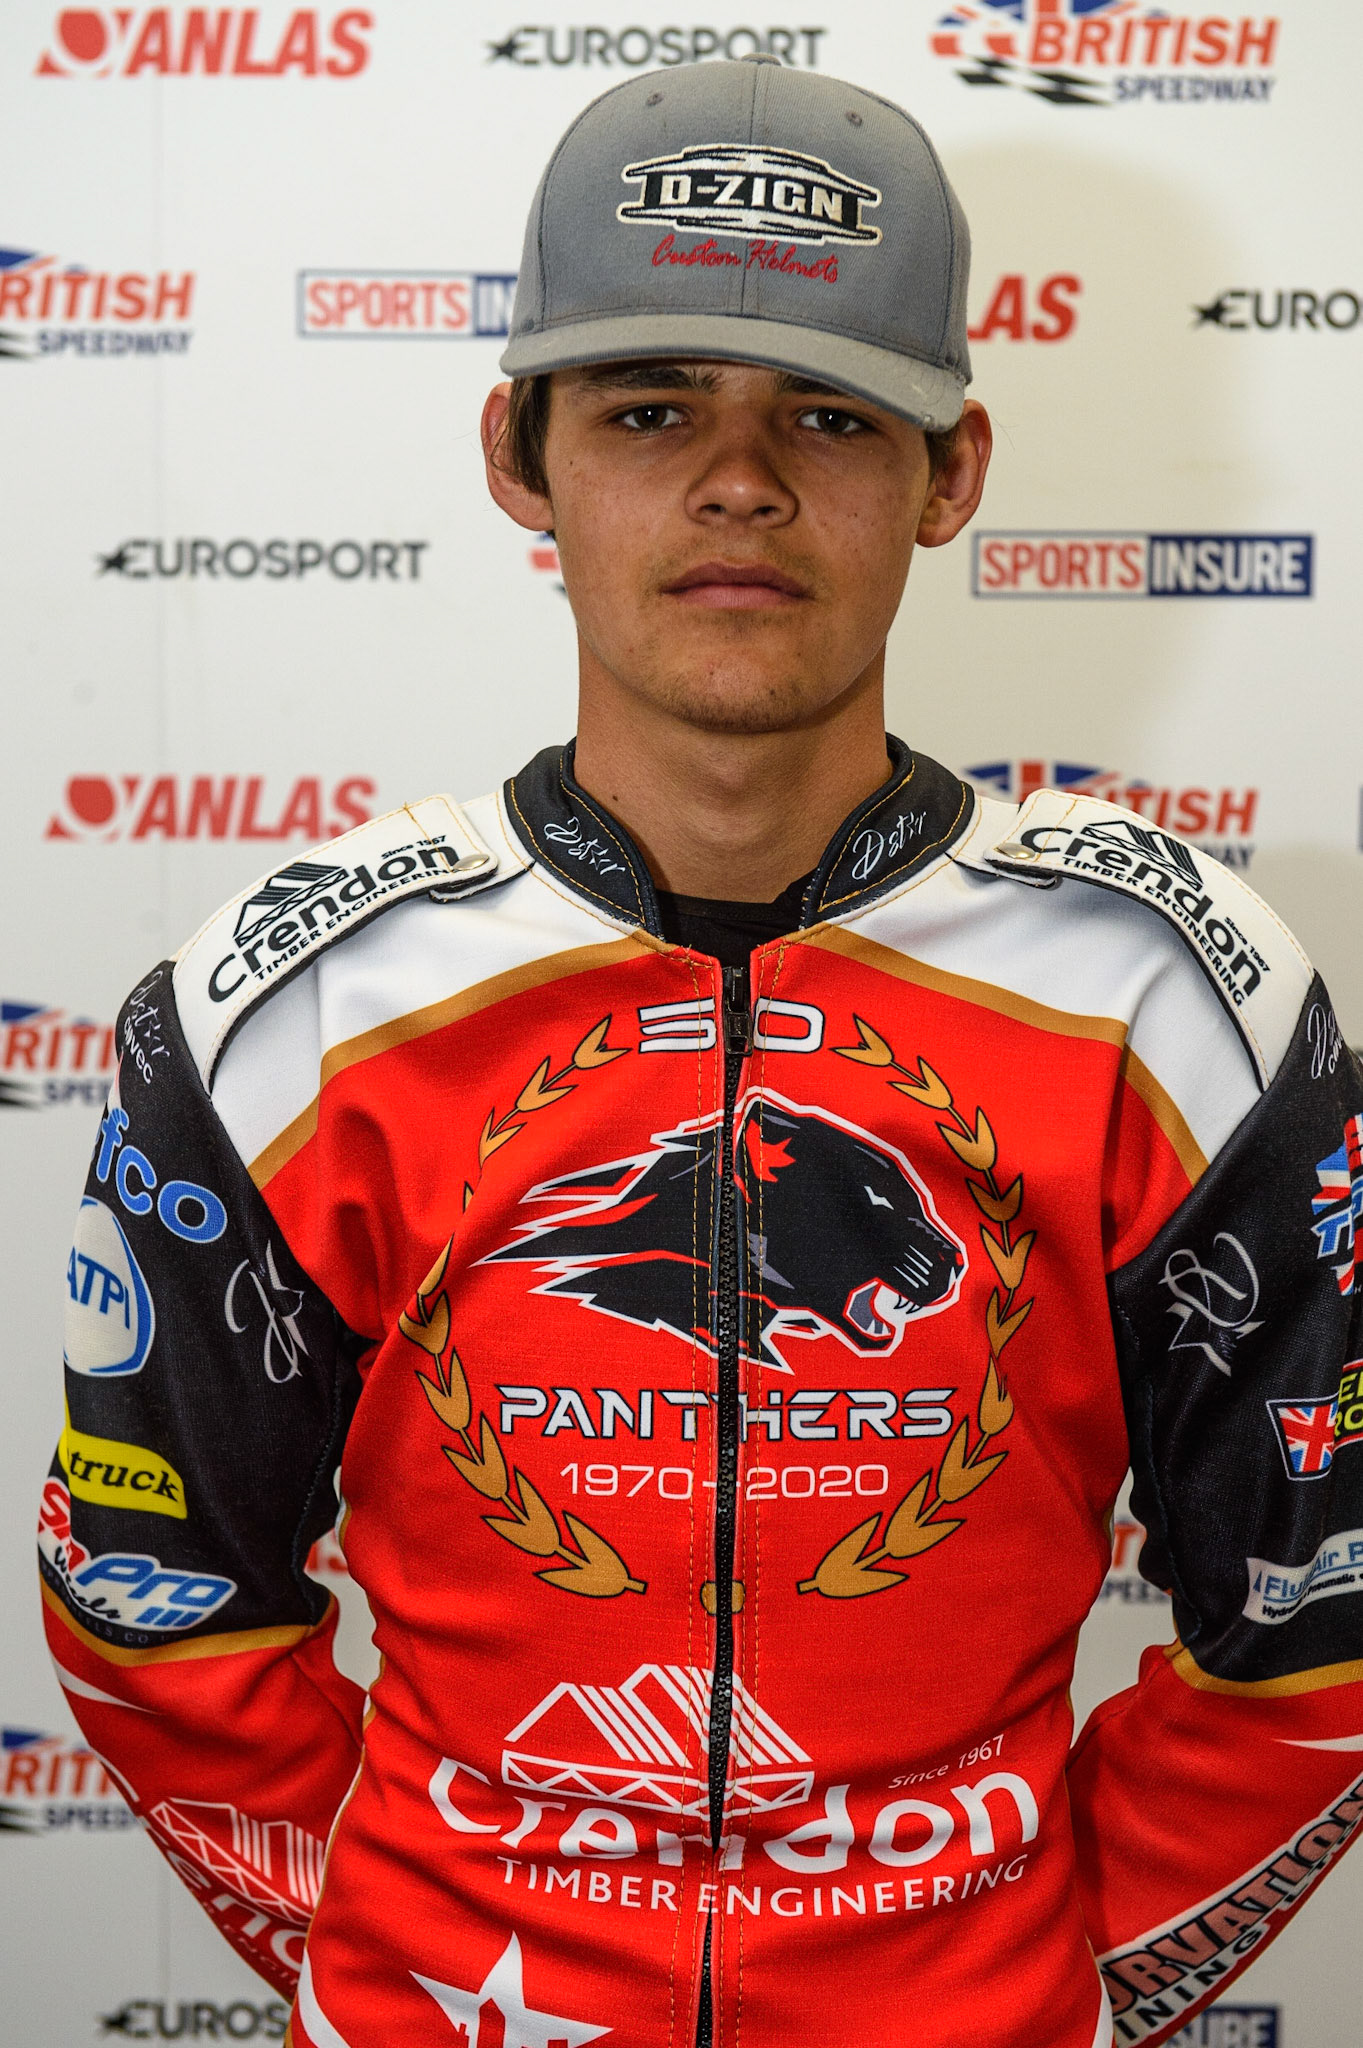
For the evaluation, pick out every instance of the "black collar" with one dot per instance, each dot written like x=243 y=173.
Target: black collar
x=910 y=820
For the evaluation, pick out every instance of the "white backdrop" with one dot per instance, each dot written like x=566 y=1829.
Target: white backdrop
x=254 y=263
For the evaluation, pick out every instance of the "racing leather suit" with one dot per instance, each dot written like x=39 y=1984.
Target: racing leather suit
x=730 y=1379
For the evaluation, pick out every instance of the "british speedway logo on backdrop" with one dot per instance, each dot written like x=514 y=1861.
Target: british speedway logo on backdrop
x=109 y=807
x=49 y=1056
x=1218 y=821
x=49 y=308
x=1124 y=565
x=210 y=42
x=1104 y=53
x=54 y=1784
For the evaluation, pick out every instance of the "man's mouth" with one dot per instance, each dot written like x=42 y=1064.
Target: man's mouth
x=736 y=586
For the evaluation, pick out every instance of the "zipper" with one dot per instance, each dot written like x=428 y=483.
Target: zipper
x=737 y=1013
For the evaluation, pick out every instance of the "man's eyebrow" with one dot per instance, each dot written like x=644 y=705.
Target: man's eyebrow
x=647 y=377
x=808 y=387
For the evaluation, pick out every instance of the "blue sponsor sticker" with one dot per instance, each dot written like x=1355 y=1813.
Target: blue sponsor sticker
x=1232 y=2026
x=110 y=1316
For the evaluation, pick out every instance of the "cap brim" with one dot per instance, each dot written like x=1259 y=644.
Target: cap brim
x=927 y=395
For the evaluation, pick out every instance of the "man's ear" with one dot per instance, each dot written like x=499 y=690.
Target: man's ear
x=957 y=488
x=526 y=507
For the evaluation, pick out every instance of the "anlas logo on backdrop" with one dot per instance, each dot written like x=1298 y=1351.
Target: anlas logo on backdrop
x=1086 y=53
x=108 y=807
x=1219 y=821
x=71 y=309
x=212 y=42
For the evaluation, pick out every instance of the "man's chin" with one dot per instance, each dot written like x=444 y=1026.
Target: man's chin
x=737 y=706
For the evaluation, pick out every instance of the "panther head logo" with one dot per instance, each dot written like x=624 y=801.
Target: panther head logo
x=838 y=1236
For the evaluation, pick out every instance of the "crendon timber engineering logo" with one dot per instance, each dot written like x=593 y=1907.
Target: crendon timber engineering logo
x=50 y=308
x=112 y=807
x=210 y=42
x=1113 y=565
x=1105 y=53
x=1218 y=821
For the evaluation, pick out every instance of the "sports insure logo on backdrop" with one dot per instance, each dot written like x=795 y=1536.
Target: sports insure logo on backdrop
x=405 y=305
x=50 y=308
x=113 y=807
x=1219 y=821
x=1117 y=564
x=639 y=47
x=1105 y=53
x=207 y=42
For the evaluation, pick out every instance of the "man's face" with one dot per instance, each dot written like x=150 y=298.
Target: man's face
x=734 y=540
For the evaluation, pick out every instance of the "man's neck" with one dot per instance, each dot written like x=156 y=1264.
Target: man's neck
x=730 y=816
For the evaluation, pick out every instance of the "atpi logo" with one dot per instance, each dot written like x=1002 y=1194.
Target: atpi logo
x=1219 y=821
x=213 y=42
x=50 y=1785
x=48 y=1055
x=1107 y=52
x=108 y=807
x=70 y=309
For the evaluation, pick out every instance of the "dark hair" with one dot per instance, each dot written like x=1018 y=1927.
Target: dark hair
x=520 y=446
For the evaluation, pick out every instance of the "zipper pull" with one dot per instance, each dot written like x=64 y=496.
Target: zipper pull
x=737 y=1014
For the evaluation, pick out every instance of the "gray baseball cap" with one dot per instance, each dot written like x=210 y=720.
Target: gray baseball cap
x=757 y=214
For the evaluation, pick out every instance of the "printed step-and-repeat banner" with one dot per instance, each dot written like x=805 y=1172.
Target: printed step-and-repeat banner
x=256 y=268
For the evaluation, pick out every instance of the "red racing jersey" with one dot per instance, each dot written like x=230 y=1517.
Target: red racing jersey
x=725 y=1381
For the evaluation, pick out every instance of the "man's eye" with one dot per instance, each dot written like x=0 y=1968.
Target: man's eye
x=829 y=419
x=649 y=419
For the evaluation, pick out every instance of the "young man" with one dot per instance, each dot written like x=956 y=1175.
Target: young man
x=737 y=1200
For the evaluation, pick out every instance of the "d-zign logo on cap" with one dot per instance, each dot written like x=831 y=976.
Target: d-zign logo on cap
x=741 y=190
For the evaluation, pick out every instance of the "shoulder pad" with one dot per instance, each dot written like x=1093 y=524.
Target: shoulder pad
x=1247 y=953
x=265 y=936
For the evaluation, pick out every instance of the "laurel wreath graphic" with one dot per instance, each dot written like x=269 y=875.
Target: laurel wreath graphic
x=593 y=1568
x=856 y=1565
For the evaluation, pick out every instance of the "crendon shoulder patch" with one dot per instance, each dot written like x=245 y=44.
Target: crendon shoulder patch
x=263 y=937
x=1247 y=953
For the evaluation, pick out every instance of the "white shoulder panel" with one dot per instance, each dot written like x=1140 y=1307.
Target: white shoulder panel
x=425 y=956
x=1080 y=954
x=265 y=936
x=1250 y=958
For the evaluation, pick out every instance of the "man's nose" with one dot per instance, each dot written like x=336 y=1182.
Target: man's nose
x=740 y=478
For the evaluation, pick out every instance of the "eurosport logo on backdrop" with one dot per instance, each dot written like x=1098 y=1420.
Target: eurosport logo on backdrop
x=196 y=2019
x=533 y=47
x=206 y=42
x=113 y=807
x=1247 y=309
x=409 y=305
x=52 y=1784
x=1218 y=821
x=70 y=309
x=48 y=1056
x=1106 y=53
x=240 y=560
x=1124 y=565
x=1233 y=2026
